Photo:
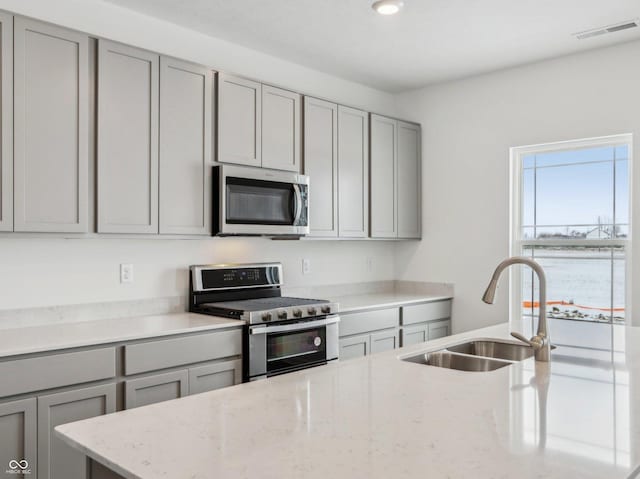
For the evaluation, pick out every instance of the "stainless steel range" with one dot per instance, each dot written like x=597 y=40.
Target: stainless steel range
x=283 y=334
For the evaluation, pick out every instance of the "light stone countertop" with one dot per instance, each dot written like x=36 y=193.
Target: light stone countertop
x=35 y=339
x=379 y=417
x=369 y=301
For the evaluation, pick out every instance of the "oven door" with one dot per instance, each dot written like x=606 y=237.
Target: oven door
x=255 y=201
x=281 y=348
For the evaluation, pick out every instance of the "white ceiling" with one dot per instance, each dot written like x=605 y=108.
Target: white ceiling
x=428 y=42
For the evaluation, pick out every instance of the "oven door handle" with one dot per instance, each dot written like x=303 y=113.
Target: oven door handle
x=294 y=327
x=298 y=201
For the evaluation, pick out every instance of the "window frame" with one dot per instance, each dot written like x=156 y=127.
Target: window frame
x=516 y=213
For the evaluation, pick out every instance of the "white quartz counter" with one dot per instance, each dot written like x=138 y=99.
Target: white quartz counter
x=52 y=337
x=365 y=302
x=380 y=417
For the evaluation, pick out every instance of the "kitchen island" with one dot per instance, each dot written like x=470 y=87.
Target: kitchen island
x=382 y=417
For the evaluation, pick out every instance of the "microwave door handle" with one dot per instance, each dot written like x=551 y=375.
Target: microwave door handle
x=298 y=202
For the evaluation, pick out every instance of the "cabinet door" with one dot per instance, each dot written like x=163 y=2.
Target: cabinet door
x=409 y=181
x=156 y=388
x=57 y=460
x=384 y=178
x=185 y=147
x=355 y=346
x=51 y=122
x=215 y=376
x=6 y=122
x=18 y=436
x=127 y=139
x=418 y=333
x=353 y=173
x=384 y=341
x=439 y=329
x=321 y=164
x=281 y=112
x=239 y=121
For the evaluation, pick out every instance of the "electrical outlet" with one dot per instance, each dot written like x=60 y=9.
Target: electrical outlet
x=126 y=273
x=306 y=266
x=369 y=264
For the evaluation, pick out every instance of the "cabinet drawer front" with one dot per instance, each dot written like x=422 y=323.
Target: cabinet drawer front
x=384 y=341
x=215 y=376
x=357 y=323
x=415 y=334
x=421 y=313
x=157 y=388
x=169 y=353
x=355 y=347
x=35 y=374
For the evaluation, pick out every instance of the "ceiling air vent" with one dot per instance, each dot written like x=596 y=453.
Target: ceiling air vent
x=616 y=27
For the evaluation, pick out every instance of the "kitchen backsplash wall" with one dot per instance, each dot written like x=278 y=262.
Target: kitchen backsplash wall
x=36 y=271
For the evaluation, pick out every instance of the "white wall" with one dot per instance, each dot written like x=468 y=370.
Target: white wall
x=470 y=125
x=43 y=271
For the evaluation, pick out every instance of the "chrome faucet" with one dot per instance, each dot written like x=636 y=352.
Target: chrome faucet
x=540 y=342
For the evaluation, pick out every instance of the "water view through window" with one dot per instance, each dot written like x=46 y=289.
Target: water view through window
x=574 y=220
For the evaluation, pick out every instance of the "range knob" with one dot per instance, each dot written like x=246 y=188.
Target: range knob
x=282 y=315
x=266 y=317
x=326 y=309
x=312 y=311
x=297 y=313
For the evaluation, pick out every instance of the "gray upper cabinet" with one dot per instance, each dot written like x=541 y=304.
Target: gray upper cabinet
x=51 y=121
x=186 y=92
x=18 y=435
x=281 y=118
x=57 y=460
x=384 y=176
x=321 y=164
x=409 y=180
x=6 y=122
x=353 y=173
x=128 y=99
x=239 y=121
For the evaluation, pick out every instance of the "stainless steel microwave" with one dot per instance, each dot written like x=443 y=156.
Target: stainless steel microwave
x=256 y=201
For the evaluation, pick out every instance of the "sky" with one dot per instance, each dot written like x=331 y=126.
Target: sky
x=575 y=194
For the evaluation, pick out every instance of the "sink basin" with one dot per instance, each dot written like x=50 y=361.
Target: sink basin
x=445 y=359
x=494 y=349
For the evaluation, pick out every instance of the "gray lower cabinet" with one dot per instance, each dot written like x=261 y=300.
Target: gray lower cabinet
x=57 y=460
x=51 y=128
x=18 y=436
x=384 y=341
x=384 y=177
x=6 y=122
x=215 y=376
x=353 y=173
x=281 y=124
x=321 y=164
x=156 y=388
x=355 y=346
x=439 y=329
x=186 y=92
x=415 y=334
x=409 y=181
x=128 y=99
x=239 y=121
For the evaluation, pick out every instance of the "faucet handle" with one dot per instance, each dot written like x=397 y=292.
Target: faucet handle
x=523 y=339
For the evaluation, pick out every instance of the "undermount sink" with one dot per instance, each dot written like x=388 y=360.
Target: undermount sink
x=476 y=355
x=494 y=349
x=445 y=359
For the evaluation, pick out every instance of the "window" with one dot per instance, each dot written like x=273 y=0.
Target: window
x=570 y=208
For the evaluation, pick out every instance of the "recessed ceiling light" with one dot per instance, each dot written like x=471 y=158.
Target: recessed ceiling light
x=387 y=7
